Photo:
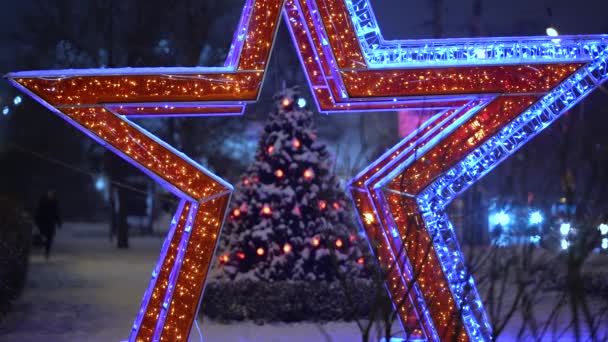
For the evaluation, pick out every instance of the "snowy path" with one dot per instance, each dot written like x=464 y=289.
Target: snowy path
x=90 y=291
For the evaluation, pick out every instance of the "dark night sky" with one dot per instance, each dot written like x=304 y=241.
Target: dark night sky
x=405 y=19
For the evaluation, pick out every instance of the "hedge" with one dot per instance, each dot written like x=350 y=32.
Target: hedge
x=288 y=301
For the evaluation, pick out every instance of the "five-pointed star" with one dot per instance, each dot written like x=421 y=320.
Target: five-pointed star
x=490 y=96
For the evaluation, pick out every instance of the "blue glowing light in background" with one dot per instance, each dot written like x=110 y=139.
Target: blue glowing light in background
x=501 y=218
x=536 y=218
x=17 y=100
x=100 y=184
x=603 y=228
x=301 y=102
x=5 y=110
x=564 y=228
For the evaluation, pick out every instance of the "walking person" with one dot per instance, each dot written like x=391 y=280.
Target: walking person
x=48 y=219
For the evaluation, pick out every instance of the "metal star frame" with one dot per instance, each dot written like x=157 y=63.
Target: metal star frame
x=490 y=95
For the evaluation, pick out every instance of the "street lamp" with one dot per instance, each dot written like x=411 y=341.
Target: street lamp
x=552 y=32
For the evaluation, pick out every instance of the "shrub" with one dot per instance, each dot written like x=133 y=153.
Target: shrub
x=15 y=240
x=289 y=301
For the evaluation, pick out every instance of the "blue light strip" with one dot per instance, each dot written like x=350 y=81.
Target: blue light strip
x=435 y=198
x=380 y=53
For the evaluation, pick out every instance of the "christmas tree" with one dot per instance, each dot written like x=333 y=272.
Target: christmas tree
x=288 y=219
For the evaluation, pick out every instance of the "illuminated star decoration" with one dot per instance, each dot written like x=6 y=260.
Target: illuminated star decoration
x=490 y=96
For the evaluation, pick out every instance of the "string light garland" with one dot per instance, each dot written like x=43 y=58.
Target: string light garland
x=491 y=95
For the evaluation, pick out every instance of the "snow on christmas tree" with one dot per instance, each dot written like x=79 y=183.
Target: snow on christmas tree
x=288 y=219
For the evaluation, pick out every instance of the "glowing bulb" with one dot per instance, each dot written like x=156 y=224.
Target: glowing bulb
x=360 y=261
x=240 y=255
x=565 y=244
x=564 y=229
x=236 y=213
x=535 y=238
x=308 y=174
x=603 y=228
x=336 y=205
x=605 y=243
x=266 y=210
x=296 y=143
x=270 y=149
x=5 y=110
x=301 y=102
x=286 y=102
x=286 y=248
x=339 y=243
x=260 y=251
x=322 y=205
x=368 y=217
x=224 y=258
x=552 y=32
x=17 y=100
x=501 y=218
x=316 y=241
x=536 y=217
x=279 y=173
x=100 y=184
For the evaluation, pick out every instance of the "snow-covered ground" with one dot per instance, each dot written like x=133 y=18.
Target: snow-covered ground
x=91 y=291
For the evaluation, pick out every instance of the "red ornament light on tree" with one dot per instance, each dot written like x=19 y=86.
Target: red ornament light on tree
x=236 y=212
x=316 y=241
x=270 y=149
x=336 y=205
x=279 y=173
x=224 y=258
x=322 y=205
x=339 y=243
x=360 y=261
x=286 y=248
x=309 y=174
x=240 y=255
x=286 y=102
x=266 y=210
x=296 y=143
